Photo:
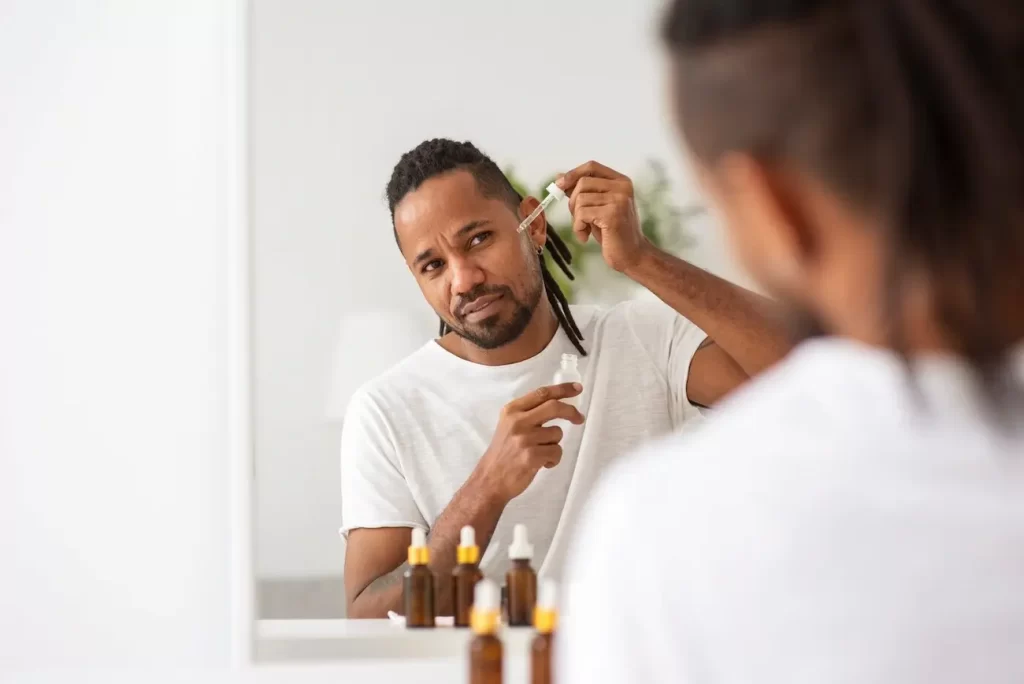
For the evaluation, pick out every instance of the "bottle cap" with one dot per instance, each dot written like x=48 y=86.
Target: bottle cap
x=548 y=594
x=569 y=360
x=545 y=614
x=419 y=554
x=485 y=595
x=520 y=549
x=556 y=191
x=467 y=552
x=484 y=616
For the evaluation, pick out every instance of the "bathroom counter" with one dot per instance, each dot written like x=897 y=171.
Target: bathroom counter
x=279 y=641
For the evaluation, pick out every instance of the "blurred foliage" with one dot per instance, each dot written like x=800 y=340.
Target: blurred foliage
x=664 y=224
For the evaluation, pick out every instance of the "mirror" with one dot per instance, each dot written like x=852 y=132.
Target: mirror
x=339 y=91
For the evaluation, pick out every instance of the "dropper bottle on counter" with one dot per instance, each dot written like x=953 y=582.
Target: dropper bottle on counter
x=418 y=584
x=545 y=620
x=465 y=576
x=521 y=580
x=485 y=649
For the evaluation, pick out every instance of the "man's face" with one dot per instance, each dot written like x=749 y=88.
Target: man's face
x=476 y=270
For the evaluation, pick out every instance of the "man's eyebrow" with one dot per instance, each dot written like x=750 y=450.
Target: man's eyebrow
x=472 y=225
x=423 y=256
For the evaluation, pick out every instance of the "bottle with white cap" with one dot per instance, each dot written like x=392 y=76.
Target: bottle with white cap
x=465 y=576
x=521 y=580
x=568 y=372
x=418 y=585
x=485 y=650
x=545 y=618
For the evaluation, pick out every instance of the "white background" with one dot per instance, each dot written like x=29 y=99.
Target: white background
x=339 y=91
x=118 y=200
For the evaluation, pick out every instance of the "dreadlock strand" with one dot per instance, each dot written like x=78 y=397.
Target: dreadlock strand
x=557 y=245
x=560 y=302
x=562 y=265
x=564 y=320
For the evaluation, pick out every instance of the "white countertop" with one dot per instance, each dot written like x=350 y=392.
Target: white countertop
x=385 y=646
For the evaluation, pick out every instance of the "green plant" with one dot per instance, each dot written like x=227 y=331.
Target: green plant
x=661 y=221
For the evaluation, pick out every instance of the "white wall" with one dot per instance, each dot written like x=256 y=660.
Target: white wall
x=116 y=131
x=339 y=91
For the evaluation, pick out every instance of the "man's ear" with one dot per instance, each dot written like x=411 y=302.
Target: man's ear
x=775 y=234
x=538 y=229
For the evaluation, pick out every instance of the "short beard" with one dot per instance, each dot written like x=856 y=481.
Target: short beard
x=490 y=333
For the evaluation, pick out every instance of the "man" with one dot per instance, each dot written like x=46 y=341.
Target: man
x=856 y=514
x=460 y=432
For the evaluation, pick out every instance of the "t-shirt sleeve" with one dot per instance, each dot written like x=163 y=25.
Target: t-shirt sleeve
x=671 y=341
x=374 y=492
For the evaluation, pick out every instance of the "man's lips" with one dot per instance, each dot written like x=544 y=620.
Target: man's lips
x=479 y=304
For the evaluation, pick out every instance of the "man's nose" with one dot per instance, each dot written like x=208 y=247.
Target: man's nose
x=465 y=275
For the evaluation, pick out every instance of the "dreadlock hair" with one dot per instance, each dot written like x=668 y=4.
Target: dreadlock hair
x=438 y=156
x=911 y=110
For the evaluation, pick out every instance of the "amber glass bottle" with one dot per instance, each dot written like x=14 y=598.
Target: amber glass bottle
x=418 y=585
x=521 y=580
x=545 y=619
x=486 y=657
x=465 y=576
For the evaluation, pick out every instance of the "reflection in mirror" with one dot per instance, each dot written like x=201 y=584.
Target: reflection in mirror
x=343 y=290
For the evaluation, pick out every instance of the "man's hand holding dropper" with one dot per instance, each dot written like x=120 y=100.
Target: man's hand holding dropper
x=744 y=332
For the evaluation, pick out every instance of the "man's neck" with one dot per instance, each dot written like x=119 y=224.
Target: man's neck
x=537 y=335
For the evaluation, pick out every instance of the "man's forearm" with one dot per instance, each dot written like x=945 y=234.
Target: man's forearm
x=738 y=320
x=380 y=596
x=472 y=505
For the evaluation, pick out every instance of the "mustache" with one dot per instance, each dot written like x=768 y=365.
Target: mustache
x=478 y=292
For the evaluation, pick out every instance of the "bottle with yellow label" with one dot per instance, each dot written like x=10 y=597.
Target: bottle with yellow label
x=545 y=619
x=465 y=576
x=419 y=583
x=486 y=658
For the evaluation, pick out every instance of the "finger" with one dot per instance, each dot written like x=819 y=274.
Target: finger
x=547 y=455
x=592 y=184
x=589 y=221
x=590 y=199
x=542 y=395
x=567 y=181
x=553 y=410
x=547 y=435
x=581 y=229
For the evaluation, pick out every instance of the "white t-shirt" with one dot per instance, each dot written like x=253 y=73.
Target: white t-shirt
x=824 y=526
x=413 y=436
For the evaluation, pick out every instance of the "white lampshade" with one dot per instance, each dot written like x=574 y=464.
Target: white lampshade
x=369 y=343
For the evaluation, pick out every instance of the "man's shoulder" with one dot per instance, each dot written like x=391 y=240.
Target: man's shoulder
x=401 y=380
x=646 y=306
x=646 y=318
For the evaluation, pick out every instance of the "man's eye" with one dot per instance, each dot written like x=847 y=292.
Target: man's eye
x=479 y=237
x=432 y=266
